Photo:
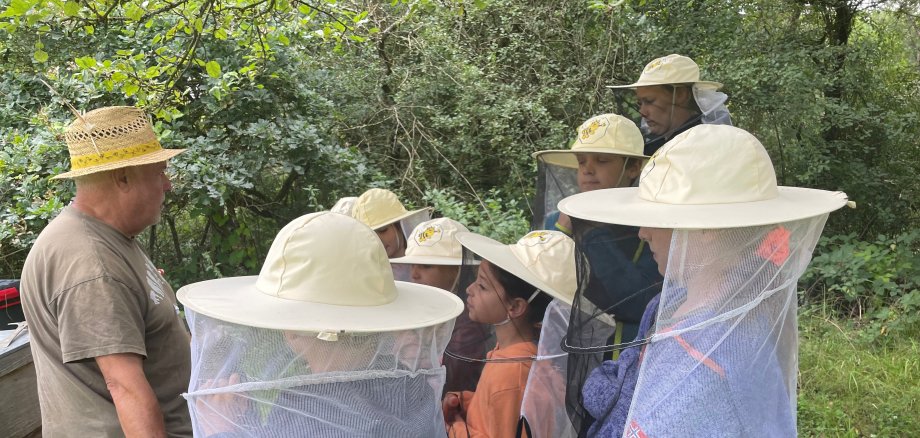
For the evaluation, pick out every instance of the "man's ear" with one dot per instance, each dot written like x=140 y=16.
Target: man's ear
x=121 y=178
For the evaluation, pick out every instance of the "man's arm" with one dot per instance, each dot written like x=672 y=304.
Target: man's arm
x=138 y=410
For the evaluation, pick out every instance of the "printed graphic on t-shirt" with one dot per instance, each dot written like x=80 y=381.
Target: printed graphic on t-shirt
x=155 y=282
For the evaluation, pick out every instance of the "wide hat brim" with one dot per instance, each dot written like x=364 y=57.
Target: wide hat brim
x=624 y=207
x=702 y=84
x=427 y=260
x=237 y=300
x=151 y=158
x=405 y=215
x=501 y=255
x=567 y=158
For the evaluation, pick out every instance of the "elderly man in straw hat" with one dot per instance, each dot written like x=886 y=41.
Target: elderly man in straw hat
x=717 y=348
x=672 y=98
x=110 y=352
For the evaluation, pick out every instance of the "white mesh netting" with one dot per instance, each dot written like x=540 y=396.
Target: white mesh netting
x=543 y=406
x=249 y=381
x=722 y=354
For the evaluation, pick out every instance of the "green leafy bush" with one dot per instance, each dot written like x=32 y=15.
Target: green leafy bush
x=494 y=214
x=877 y=282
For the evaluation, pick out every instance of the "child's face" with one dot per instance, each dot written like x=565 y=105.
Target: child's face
x=389 y=236
x=440 y=276
x=603 y=171
x=486 y=297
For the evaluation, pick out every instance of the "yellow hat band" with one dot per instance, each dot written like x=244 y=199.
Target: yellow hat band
x=111 y=156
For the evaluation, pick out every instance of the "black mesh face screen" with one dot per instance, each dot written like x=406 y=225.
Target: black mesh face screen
x=553 y=184
x=617 y=277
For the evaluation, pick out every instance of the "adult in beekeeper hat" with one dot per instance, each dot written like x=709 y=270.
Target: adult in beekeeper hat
x=508 y=287
x=323 y=342
x=105 y=334
x=671 y=98
x=434 y=256
x=381 y=210
x=717 y=352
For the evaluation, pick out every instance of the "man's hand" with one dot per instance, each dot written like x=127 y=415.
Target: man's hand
x=135 y=402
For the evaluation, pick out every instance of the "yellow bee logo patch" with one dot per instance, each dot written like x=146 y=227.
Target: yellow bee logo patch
x=654 y=65
x=428 y=236
x=536 y=238
x=589 y=132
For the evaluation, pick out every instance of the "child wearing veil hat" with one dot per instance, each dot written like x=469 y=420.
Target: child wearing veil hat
x=509 y=288
x=323 y=342
x=381 y=210
x=434 y=256
x=717 y=350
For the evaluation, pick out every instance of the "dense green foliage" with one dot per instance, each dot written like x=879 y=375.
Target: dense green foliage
x=284 y=106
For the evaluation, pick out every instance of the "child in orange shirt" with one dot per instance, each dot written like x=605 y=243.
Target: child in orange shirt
x=513 y=286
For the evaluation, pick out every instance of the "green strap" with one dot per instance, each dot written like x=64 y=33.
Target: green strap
x=617 y=339
x=638 y=251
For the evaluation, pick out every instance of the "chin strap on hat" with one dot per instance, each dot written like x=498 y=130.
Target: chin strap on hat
x=508 y=317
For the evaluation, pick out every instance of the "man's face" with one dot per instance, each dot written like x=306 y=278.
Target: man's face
x=149 y=184
x=655 y=106
x=659 y=242
x=602 y=171
x=440 y=276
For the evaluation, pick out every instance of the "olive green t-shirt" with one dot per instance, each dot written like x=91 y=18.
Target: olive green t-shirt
x=88 y=290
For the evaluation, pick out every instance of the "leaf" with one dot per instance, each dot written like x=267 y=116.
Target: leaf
x=71 y=9
x=130 y=89
x=40 y=55
x=85 y=62
x=213 y=69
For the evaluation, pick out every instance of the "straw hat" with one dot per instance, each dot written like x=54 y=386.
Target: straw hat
x=605 y=134
x=326 y=273
x=545 y=259
x=378 y=208
x=111 y=138
x=434 y=242
x=710 y=176
x=671 y=70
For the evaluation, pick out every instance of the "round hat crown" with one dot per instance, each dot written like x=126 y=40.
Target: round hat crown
x=610 y=131
x=111 y=138
x=709 y=164
x=377 y=208
x=671 y=70
x=436 y=238
x=300 y=264
x=550 y=257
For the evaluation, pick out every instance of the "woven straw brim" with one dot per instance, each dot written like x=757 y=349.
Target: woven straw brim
x=238 y=300
x=702 y=84
x=155 y=157
x=623 y=206
x=500 y=254
x=567 y=158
